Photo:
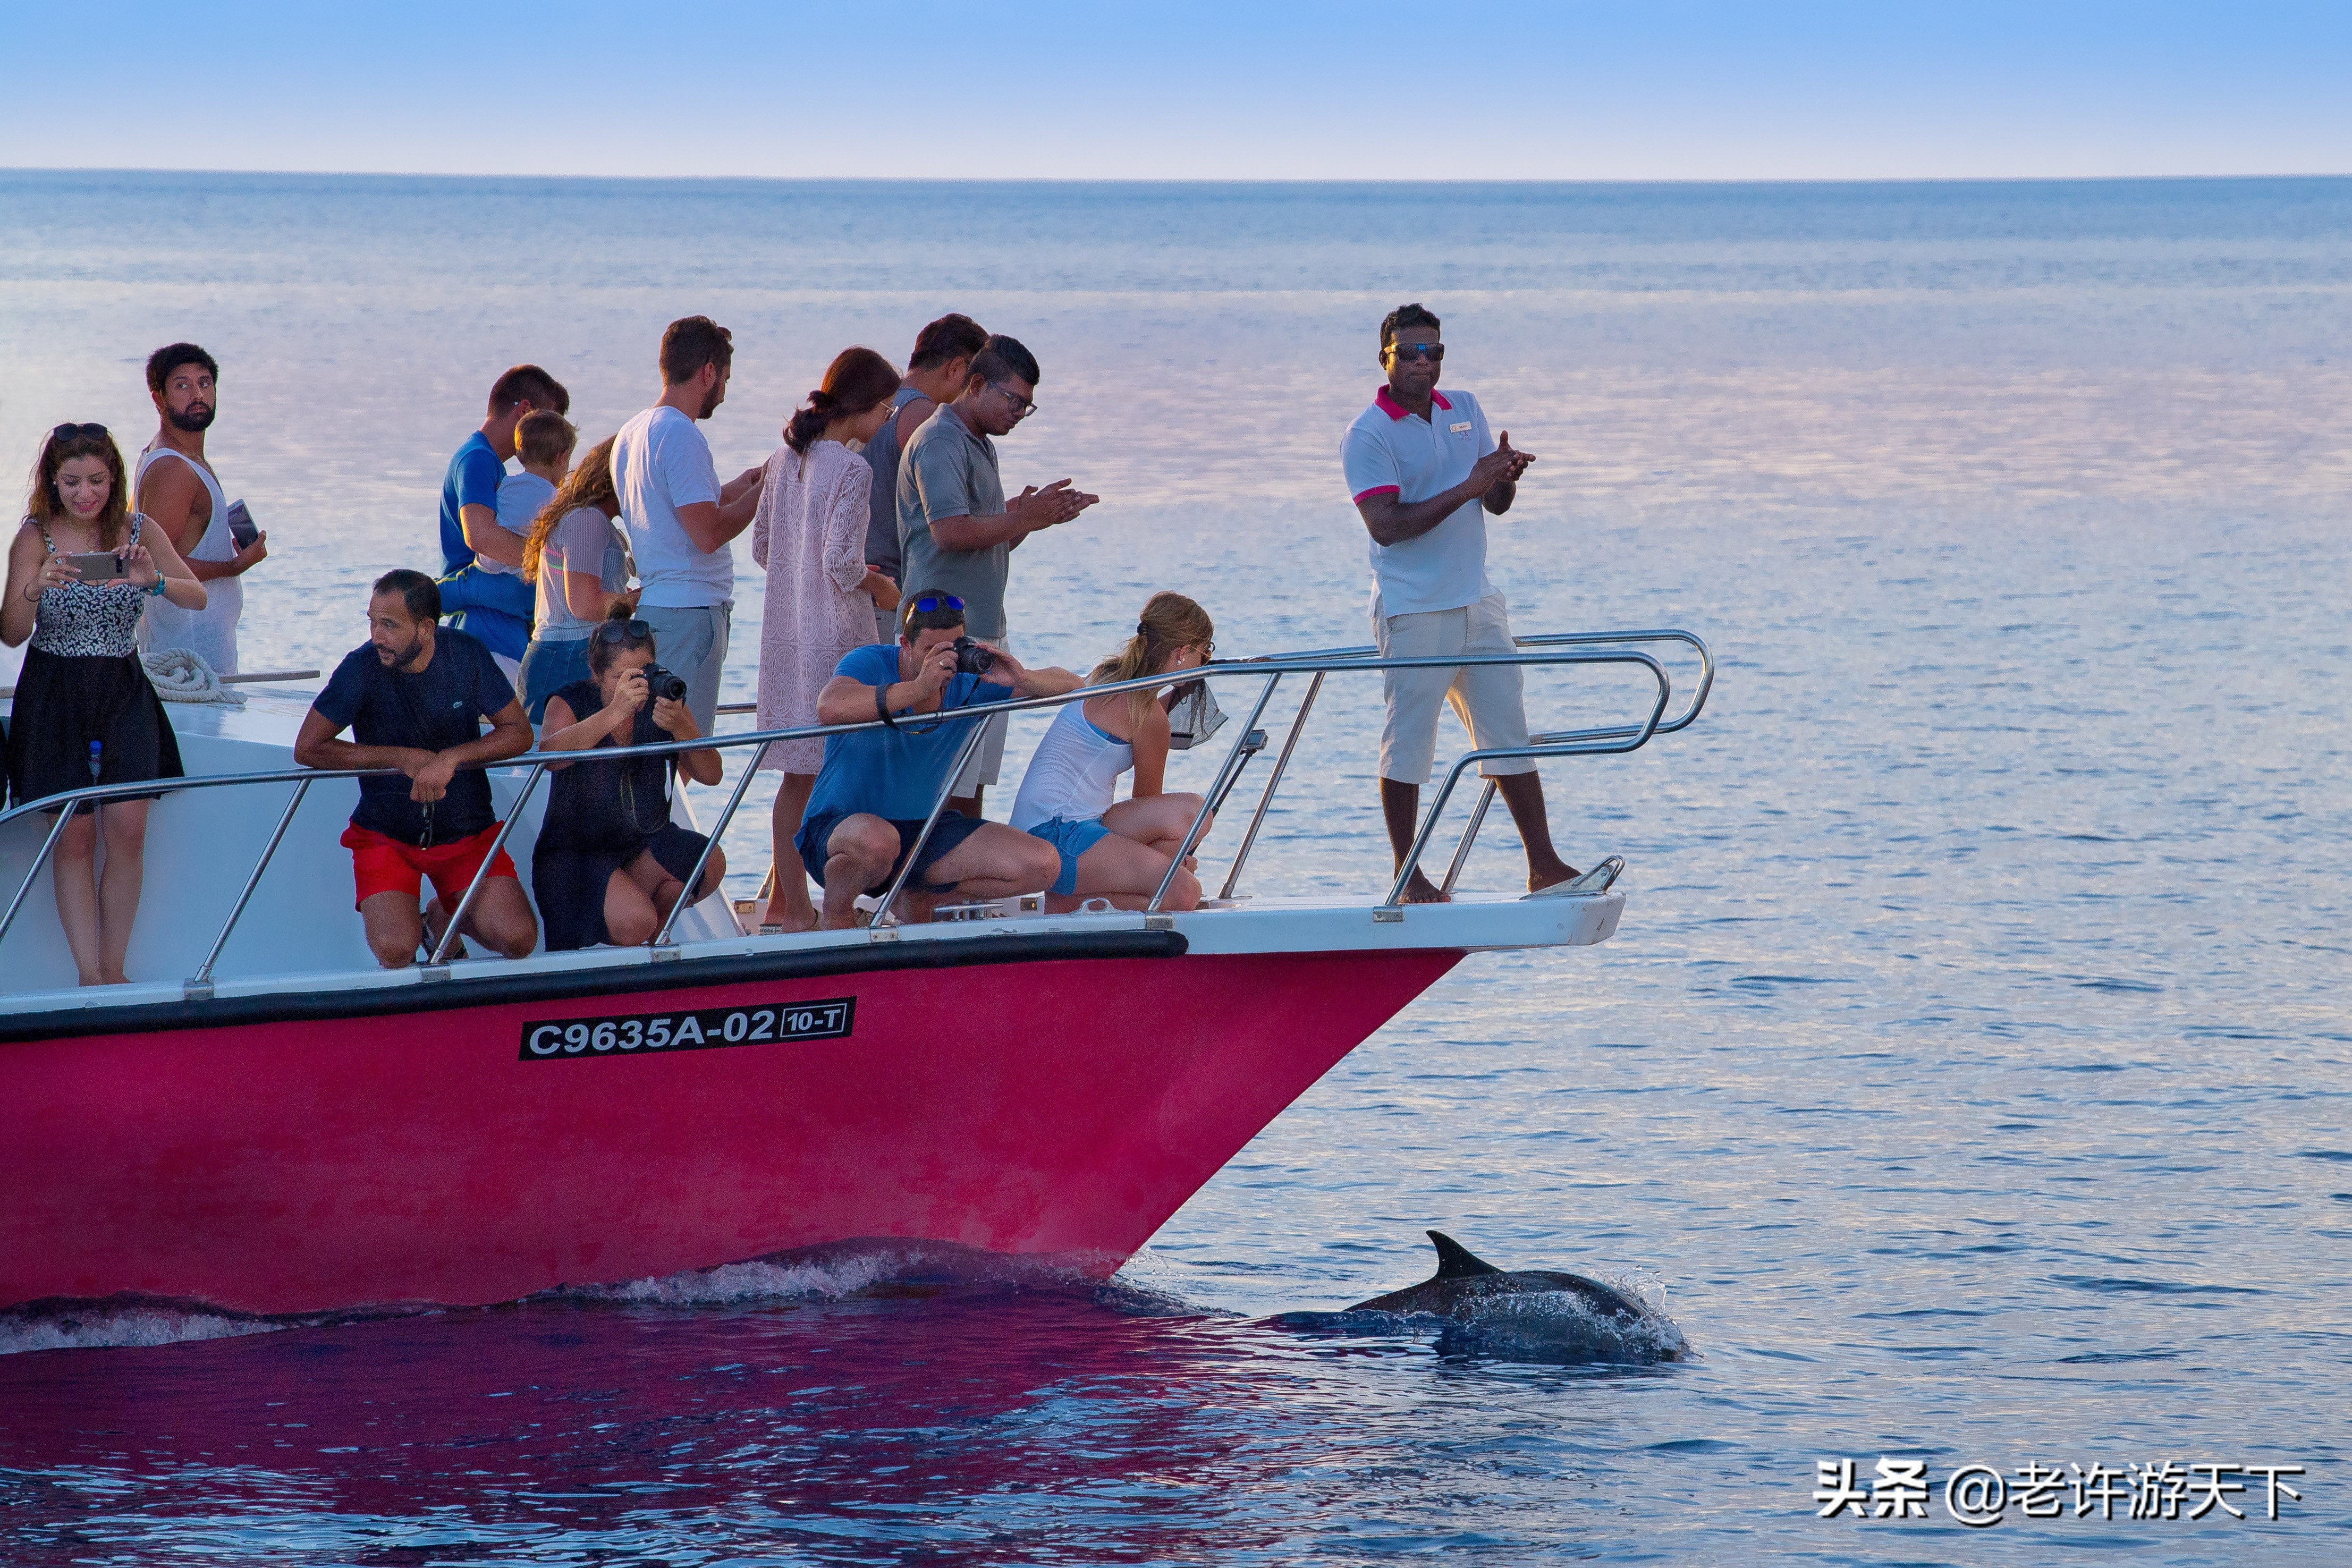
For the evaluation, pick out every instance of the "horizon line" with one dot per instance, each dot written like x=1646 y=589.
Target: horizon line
x=1190 y=179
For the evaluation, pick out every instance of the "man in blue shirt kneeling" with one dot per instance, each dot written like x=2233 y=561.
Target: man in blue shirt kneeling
x=876 y=787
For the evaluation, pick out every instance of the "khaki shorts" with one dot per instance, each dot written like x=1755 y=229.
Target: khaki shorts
x=987 y=759
x=691 y=643
x=1486 y=698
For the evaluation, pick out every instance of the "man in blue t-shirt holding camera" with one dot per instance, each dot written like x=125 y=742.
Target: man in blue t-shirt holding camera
x=877 y=784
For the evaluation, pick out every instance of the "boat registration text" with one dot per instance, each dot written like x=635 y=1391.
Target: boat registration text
x=703 y=1028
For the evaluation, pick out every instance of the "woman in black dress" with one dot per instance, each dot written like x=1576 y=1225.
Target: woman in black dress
x=86 y=713
x=610 y=864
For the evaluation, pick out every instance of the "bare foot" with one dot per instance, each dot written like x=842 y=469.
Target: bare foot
x=436 y=921
x=788 y=919
x=913 y=908
x=1421 y=890
x=1552 y=876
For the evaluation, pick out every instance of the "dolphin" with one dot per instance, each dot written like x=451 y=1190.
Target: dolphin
x=1528 y=1315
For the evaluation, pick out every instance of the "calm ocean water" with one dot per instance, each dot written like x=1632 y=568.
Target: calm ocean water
x=1969 y=1078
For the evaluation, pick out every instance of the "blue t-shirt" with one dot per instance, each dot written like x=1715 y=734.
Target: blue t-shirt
x=472 y=481
x=495 y=605
x=896 y=774
x=440 y=707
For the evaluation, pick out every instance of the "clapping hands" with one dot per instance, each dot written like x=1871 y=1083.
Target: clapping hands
x=1056 y=503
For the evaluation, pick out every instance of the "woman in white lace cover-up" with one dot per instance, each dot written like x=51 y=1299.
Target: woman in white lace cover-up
x=810 y=533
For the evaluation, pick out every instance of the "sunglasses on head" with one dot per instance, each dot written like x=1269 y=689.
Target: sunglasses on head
x=930 y=602
x=1433 y=352
x=69 y=431
x=624 y=631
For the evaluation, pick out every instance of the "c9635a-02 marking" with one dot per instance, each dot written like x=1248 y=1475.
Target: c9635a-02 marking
x=701 y=1029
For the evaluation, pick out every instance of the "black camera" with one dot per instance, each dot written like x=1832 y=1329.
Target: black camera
x=973 y=658
x=661 y=683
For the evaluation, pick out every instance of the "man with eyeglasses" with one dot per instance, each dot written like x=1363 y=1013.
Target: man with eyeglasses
x=413 y=697
x=867 y=811
x=1424 y=473
x=956 y=531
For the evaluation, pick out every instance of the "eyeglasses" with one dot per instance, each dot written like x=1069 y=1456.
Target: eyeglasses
x=1022 y=407
x=1433 y=352
x=67 y=431
x=618 y=632
x=930 y=602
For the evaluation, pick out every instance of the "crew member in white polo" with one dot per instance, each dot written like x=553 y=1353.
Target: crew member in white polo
x=1424 y=473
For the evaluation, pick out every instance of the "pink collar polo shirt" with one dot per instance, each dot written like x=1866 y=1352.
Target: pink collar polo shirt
x=1390 y=449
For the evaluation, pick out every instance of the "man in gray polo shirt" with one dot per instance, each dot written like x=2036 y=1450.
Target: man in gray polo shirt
x=936 y=372
x=956 y=531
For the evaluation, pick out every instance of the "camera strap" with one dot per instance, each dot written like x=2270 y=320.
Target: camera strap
x=882 y=706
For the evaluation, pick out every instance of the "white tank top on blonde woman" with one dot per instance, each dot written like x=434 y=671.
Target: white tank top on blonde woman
x=212 y=631
x=1073 y=774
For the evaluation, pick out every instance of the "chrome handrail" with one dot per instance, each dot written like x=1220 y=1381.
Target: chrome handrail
x=200 y=984
x=1266 y=796
x=1228 y=773
x=978 y=724
x=1542 y=651
x=437 y=961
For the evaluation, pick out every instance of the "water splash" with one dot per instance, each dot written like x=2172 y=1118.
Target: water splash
x=122 y=1322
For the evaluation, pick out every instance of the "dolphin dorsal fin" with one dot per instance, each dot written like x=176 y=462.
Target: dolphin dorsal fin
x=1454 y=1261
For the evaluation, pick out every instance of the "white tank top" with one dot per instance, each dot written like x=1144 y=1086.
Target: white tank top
x=211 y=631
x=1073 y=774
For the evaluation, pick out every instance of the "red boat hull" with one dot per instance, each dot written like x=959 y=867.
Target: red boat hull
x=1063 y=1105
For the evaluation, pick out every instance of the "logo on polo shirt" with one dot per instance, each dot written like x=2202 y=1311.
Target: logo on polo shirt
x=1460 y=429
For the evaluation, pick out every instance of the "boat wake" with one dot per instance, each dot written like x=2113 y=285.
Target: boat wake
x=843 y=1270
x=878 y=1270
x=124 y=1321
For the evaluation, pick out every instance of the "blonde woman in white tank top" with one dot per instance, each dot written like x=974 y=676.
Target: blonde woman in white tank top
x=1118 y=850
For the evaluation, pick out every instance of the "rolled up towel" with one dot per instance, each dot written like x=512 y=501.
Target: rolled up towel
x=182 y=675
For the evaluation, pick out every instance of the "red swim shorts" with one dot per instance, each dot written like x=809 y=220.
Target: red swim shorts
x=386 y=865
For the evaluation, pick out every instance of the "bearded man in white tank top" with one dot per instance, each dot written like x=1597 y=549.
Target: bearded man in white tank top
x=176 y=486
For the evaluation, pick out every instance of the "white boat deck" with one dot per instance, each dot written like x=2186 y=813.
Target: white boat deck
x=301 y=936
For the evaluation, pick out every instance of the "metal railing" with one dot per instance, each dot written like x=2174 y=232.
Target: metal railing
x=1597 y=649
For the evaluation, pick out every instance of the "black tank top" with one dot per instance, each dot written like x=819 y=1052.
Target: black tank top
x=608 y=806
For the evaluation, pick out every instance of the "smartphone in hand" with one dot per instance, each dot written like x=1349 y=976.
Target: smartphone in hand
x=241 y=529
x=100 y=567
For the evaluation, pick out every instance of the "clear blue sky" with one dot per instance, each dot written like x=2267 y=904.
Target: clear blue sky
x=1213 y=89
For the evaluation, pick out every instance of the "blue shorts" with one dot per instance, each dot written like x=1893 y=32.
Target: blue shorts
x=1073 y=839
x=951 y=829
x=547 y=669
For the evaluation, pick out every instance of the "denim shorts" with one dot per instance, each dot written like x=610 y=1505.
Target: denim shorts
x=951 y=829
x=1073 y=839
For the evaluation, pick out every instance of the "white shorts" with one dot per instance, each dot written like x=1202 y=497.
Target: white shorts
x=988 y=757
x=1487 y=698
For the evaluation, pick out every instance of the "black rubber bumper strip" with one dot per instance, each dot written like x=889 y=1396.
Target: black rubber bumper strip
x=605 y=980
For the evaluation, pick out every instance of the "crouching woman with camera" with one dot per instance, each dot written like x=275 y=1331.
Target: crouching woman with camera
x=610 y=865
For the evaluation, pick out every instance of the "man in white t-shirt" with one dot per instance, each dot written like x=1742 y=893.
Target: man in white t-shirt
x=1424 y=473
x=680 y=520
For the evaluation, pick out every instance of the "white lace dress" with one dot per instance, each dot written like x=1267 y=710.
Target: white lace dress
x=810 y=533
